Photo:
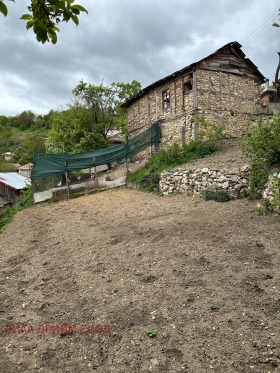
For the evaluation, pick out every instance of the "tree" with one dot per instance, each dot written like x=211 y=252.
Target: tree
x=72 y=131
x=45 y=15
x=26 y=119
x=32 y=144
x=95 y=111
x=105 y=103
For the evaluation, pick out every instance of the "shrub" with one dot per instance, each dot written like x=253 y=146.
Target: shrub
x=263 y=145
x=258 y=176
x=209 y=131
x=173 y=156
x=216 y=195
x=7 y=167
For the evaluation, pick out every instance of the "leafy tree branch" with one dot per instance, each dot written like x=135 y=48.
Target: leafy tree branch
x=45 y=15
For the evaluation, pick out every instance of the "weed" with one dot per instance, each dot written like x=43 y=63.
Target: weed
x=216 y=195
x=214 y=307
x=151 y=333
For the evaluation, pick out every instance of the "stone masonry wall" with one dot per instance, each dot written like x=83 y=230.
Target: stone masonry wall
x=192 y=181
x=227 y=99
x=222 y=98
x=272 y=190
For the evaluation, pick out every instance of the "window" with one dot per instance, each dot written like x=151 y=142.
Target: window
x=166 y=99
x=187 y=87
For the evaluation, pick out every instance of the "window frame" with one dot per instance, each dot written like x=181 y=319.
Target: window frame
x=166 y=100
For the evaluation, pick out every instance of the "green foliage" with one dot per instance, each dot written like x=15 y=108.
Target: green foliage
x=258 y=176
x=45 y=15
x=105 y=102
x=25 y=201
x=31 y=144
x=209 y=131
x=3 y=8
x=214 y=307
x=263 y=145
x=173 y=156
x=216 y=195
x=26 y=120
x=263 y=150
x=151 y=333
x=265 y=207
x=6 y=139
x=74 y=131
x=96 y=110
x=7 y=167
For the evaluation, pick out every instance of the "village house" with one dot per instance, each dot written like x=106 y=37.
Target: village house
x=8 y=156
x=223 y=88
x=25 y=170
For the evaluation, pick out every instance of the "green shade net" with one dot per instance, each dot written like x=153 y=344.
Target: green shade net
x=46 y=164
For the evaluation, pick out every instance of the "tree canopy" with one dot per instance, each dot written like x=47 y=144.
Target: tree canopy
x=45 y=15
x=95 y=111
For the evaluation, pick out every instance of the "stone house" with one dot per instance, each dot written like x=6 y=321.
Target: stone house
x=223 y=87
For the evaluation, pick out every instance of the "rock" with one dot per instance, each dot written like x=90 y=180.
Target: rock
x=245 y=168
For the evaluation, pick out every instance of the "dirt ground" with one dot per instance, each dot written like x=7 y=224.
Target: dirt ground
x=203 y=276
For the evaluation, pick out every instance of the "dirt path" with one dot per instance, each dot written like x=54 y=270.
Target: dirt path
x=204 y=275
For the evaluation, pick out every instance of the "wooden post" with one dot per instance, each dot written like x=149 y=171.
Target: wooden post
x=33 y=189
x=94 y=159
x=126 y=162
x=67 y=183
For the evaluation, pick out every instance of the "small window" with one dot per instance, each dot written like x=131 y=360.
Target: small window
x=166 y=99
x=187 y=87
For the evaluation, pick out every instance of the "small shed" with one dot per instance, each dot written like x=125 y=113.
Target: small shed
x=11 y=183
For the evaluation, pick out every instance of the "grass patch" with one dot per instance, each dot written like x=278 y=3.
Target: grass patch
x=216 y=195
x=171 y=157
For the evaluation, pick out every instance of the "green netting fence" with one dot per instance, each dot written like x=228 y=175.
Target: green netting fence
x=50 y=164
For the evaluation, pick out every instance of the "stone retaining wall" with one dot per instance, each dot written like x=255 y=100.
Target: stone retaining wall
x=271 y=191
x=192 y=181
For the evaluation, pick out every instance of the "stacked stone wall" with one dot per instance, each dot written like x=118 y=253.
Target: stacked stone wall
x=195 y=181
x=272 y=191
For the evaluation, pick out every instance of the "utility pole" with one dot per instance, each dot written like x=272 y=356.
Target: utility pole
x=277 y=75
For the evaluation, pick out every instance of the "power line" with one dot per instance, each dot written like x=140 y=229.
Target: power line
x=255 y=42
x=267 y=23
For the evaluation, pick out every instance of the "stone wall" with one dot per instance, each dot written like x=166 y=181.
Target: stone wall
x=195 y=181
x=271 y=191
x=221 y=97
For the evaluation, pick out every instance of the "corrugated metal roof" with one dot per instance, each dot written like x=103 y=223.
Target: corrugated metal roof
x=14 y=180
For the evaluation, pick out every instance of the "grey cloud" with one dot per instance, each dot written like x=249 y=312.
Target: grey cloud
x=122 y=41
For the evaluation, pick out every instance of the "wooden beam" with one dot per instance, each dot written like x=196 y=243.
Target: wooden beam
x=229 y=95
x=220 y=90
x=195 y=102
x=208 y=92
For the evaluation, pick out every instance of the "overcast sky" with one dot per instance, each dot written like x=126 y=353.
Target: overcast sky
x=123 y=40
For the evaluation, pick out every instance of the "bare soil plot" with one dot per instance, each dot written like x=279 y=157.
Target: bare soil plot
x=204 y=275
